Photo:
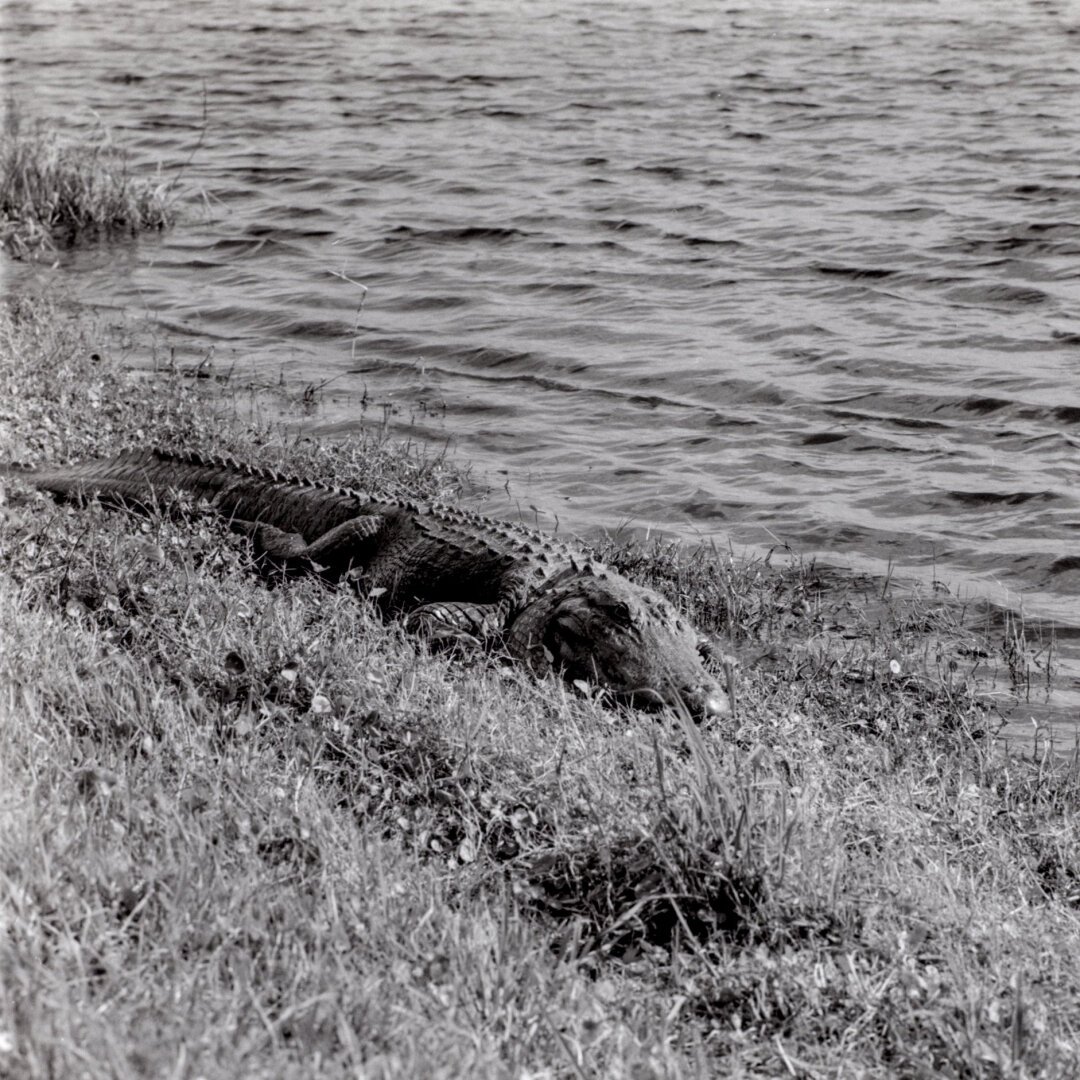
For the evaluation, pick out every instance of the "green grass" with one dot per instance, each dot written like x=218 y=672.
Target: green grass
x=251 y=831
x=55 y=193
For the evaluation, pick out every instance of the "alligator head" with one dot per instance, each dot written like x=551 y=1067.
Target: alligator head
x=598 y=627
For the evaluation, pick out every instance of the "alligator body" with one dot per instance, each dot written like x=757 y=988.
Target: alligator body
x=453 y=574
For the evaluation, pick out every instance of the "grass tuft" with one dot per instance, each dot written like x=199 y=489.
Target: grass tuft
x=56 y=194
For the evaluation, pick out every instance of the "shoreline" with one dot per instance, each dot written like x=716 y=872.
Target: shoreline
x=264 y=804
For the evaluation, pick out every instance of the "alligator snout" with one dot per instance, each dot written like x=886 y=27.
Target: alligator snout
x=604 y=630
x=708 y=703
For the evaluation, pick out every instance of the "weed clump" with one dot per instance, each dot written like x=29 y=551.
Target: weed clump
x=56 y=194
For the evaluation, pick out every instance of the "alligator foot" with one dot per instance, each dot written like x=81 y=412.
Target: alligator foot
x=453 y=624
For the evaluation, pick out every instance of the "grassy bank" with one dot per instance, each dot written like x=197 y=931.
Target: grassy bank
x=56 y=192
x=250 y=831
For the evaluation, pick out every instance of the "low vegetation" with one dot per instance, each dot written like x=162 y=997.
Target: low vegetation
x=248 y=830
x=55 y=193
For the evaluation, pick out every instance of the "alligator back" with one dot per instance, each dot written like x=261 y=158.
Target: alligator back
x=153 y=478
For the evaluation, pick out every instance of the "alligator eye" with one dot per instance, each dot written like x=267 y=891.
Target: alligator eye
x=621 y=614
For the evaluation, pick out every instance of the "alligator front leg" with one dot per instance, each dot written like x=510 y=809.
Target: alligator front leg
x=337 y=550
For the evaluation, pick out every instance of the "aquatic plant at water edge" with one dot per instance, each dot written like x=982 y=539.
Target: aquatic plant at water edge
x=57 y=193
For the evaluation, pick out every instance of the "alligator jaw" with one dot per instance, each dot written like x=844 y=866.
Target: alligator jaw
x=705 y=702
x=602 y=629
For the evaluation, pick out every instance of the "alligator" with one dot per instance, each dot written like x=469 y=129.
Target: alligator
x=455 y=576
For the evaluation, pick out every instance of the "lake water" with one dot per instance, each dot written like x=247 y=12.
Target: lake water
x=761 y=273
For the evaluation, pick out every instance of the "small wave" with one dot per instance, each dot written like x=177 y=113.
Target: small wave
x=1041 y=192
x=1058 y=239
x=984 y=405
x=910 y=422
x=904 y=213
x=801 y=330
x=261 y=28
x=704 y=241
x=570 y=288
x=267 y=174
x=492 y=112
x=704 y=510
x=856 y=273
x=823 y=438
x=464 y=233
x=320 y=329
x=491 y=357
x=671 y=172
x=379 y=174
x=621 y=224
x=283 y=234
x=420 y=302
x=248 y=247
x=996 y=294
x=855 y=442
x=1005 y=498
